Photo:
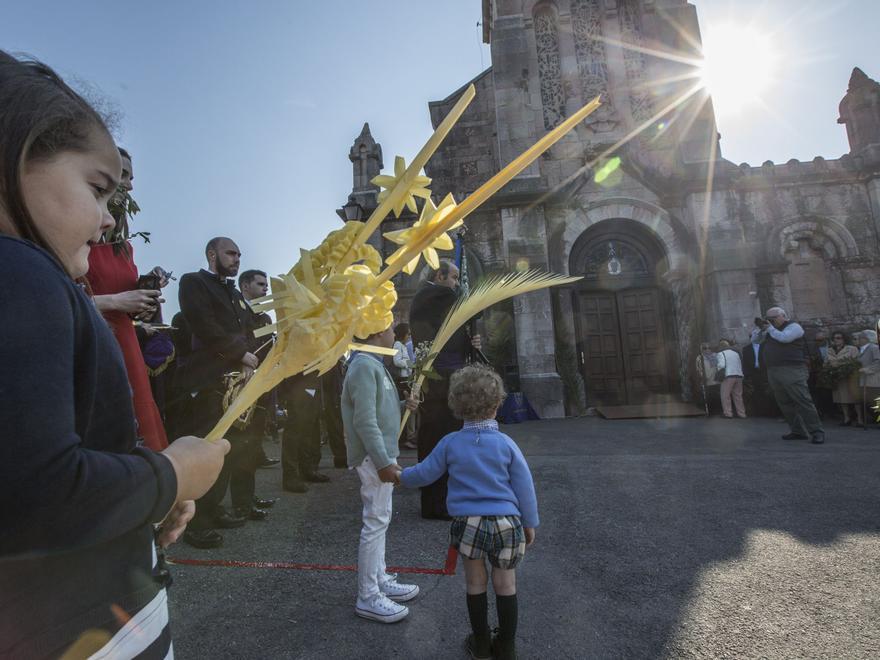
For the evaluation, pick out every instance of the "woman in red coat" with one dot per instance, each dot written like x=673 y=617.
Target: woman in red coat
x=113 y=278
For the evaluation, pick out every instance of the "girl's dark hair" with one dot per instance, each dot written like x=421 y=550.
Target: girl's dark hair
x=40 y=117
x=401 y=330
x=838 y=332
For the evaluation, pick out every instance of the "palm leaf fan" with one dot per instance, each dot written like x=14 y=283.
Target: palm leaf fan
x=489 y=292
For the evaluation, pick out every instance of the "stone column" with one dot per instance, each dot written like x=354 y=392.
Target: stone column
x=525 y=240
x=681 y=286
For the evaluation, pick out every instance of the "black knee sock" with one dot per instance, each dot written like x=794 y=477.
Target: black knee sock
x=478 y=611
x=507 y=617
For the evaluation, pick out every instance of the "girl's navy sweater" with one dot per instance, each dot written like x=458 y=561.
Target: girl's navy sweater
x=78 y=496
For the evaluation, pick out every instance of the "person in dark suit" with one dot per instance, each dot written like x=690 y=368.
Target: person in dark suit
x=331 y=413
x=177 y=402
x=430 y=305
x=817 y=352
x=222 y=341
x=301 y=439
x=759 y=400
x=254 y=284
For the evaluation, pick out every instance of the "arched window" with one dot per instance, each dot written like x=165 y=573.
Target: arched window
x=808 y=280
x=613 y=258
x=617 y=254
x=810 y=246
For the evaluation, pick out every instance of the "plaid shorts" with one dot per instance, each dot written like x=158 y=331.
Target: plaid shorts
x=501 y=538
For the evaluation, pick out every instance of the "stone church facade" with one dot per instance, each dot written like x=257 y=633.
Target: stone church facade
x=676 y=245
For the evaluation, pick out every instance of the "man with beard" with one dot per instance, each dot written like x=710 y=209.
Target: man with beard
x=428 y=310
x=222 y=341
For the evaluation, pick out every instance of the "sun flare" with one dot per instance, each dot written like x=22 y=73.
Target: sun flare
x=738 y=67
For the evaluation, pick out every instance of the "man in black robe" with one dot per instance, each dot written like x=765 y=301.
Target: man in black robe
x=429 y=308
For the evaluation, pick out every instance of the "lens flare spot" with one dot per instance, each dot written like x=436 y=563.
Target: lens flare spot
x=609 y=173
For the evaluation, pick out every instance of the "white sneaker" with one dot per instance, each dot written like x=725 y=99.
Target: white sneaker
x=399 y=592
x=380 y=608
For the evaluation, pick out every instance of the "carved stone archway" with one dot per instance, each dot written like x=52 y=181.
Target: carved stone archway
x=809 y=247
x=825 y=235
x=677 y=278
x=649 y=216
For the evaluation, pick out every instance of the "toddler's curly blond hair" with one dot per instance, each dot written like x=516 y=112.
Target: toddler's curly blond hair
x=475 y=392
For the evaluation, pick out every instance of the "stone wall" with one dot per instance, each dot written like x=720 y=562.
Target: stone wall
x=468 y=155
x=799 y=235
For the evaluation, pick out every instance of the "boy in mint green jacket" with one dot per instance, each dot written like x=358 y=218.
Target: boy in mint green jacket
x=371 y=417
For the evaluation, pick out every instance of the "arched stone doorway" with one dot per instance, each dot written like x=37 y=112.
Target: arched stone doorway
x=624 y=335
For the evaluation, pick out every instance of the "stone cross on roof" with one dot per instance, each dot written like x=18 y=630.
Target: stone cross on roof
x=366 y=158
x=860 y=112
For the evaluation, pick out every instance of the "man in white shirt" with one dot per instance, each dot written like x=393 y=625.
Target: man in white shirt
x=732 y=384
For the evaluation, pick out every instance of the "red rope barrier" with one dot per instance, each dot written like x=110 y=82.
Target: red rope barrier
x=448 y=568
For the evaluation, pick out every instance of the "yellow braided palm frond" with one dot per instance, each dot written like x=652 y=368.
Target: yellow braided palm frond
x=407 y=182
x=490 y=292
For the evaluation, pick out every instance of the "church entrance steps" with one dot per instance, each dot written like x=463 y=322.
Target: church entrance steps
x=651 y=410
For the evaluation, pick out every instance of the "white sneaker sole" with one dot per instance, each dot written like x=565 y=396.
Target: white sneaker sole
x=404 y=597
x=381 y=618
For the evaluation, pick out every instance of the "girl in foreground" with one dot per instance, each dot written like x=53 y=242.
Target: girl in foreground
x=492 y=502
x=79 y=497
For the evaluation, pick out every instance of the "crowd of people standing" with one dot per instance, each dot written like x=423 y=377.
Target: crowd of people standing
x=780 y=373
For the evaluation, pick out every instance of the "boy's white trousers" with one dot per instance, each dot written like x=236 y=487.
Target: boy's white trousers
x=376 y=497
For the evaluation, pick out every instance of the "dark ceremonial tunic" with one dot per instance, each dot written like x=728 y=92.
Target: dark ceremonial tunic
x=428 y=310
x=78 y=495
x=220 y=323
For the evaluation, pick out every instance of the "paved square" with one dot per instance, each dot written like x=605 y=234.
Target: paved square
x=660 y=538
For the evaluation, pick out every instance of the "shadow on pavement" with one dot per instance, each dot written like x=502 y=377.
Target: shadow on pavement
x=659 y=538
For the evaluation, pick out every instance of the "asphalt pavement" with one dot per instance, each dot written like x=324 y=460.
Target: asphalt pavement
x=673 y=538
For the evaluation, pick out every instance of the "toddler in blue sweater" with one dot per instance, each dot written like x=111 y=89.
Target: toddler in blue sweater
x=491 y=499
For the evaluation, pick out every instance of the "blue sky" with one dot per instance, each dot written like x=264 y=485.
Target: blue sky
x=240 y=114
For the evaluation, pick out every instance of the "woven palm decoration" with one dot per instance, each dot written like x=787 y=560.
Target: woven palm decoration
x=340 y=291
